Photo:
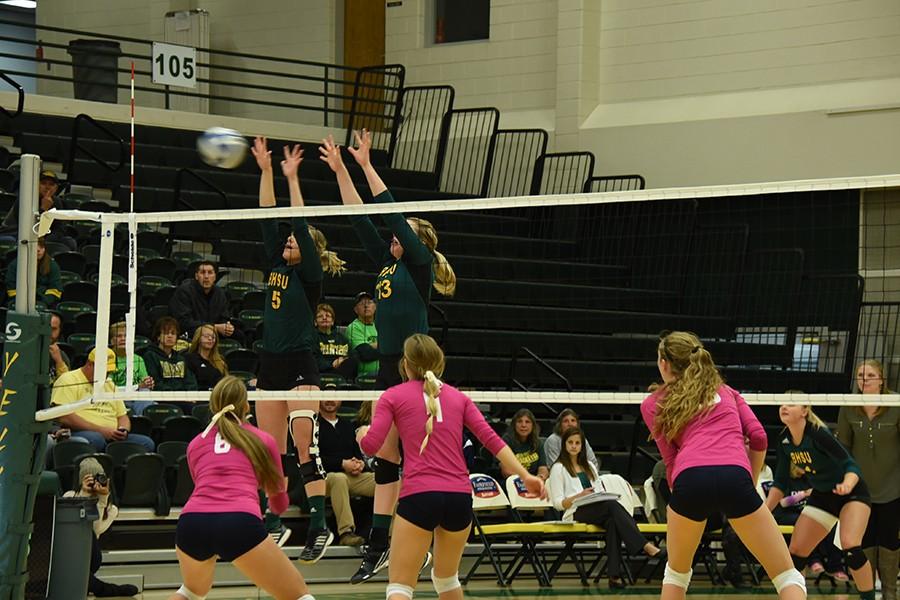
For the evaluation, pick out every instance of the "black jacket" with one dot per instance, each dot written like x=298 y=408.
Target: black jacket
x=193 y=308
x=337 y=443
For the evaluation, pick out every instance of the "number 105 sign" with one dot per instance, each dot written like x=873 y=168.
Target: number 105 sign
x=174 y=65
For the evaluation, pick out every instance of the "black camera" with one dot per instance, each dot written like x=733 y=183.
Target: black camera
x=101 y=479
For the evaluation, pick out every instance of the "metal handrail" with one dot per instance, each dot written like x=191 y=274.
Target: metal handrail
x=20 y=104
x=542 y=363
x=445 y=324
x=177 y=200
x=75 y=146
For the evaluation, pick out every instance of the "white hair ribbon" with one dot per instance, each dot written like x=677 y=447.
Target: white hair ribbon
x=216 y=417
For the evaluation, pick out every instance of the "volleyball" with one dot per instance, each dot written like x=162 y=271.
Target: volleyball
x=221 y=147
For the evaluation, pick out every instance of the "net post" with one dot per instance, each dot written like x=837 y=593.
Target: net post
x=131 y=315
x=104 y=284
x=26 y=259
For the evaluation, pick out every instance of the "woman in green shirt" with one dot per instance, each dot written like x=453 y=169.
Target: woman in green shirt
x=839 y=494
x=872 y=434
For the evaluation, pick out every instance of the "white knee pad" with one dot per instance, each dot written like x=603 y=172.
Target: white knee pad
x=189 y=594
x=673 y=577
x=306 y=597
x=314 y=470
x=445 y=584
x=399 y=588
x=789 y=577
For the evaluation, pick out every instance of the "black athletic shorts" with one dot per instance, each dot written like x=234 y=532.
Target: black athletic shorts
x=451 y=511
x=832 y=503
x=285 y=371
x=701 y=492
x=388 y=372
x=228 y=535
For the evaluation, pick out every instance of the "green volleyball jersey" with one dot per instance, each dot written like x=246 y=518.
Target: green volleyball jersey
x=819 y=455
x=403 y=287
x=292 y=291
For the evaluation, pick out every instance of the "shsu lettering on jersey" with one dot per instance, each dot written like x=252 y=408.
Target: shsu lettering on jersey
x=279 y=280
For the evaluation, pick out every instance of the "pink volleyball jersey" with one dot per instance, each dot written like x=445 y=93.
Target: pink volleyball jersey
x=441 y=467
x=715 y=438
x=224 y=480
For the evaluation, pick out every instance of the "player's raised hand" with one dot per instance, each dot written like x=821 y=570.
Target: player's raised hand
x=330 y=153
x=363 y=140
x=292 y=159
x=261 y=153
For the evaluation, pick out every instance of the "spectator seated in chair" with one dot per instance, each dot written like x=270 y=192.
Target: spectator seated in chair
x=523 y=438
x=553 y=444
x=93 y=482
x=59 y=360
x=363 y=336
x=140 y=378
x=199 y=300
x=348 y=474
x=165 y=365
x=100 y=422
x=333 y=350
x=204 y=359
x=48 y=187
x=49 y=284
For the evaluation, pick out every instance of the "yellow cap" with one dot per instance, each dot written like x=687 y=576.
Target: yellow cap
x=110 y=359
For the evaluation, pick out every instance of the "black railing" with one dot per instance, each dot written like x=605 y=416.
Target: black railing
x=179 y=202
x=514 y=383
x=20 y=104
x=445 y=325
x=379 y=86
x=75 y=146
x=879 y=337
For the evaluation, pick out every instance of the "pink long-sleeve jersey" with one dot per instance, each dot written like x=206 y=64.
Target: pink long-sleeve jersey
x=224 y=480
x=711 y=439
x=441 y=467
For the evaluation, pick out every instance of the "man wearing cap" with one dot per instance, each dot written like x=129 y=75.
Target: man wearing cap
x=363 y=336
x=47 y=199
x=100 y=422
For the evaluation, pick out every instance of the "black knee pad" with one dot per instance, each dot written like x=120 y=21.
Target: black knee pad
x=799 y=562
x=855 y=557
x=312 y=471
x=386 y=471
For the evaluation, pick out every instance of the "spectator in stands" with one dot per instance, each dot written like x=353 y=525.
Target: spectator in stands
x=203 y=357
x=199 y=300
x=872 y=434
x=333 y=349
x=49 y=285
x=566 y=419
x=48 y=187
x=839 y=494
x=287 y=362
x=347 y=472
x=166 y=365
x=436 y=499
x=363 y=335
x=700 y=426
x=409 y=266
x=100 y=422
x=59 y=361
x=523 y=436
x=233 y=460
x=93 y=482
x=117 y=336
x=573 y=477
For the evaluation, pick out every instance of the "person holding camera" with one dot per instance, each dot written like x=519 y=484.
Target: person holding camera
x=93 y=482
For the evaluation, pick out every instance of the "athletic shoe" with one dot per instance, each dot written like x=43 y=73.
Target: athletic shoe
x=373 y=561
x=816 y=568
x=280 y=536
x=316 y=543
x=350 y=538
x=103 y=589
x=426 y=562
x=840 y=575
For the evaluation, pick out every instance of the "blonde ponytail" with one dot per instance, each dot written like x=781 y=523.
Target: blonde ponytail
x=444 y=276
x=695 y=386
x=432 y=390
x=331 y=263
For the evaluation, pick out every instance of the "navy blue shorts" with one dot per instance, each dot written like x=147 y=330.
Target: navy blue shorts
x=286 y=371
x=451 y=511
x=701 y=492
x=228 y=535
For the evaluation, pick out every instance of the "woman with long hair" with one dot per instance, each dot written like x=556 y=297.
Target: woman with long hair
x=204 y=359
x=286 y=360
x=233 y=459
x=839 y=494
x=49 y=284
x=409 y=267
x=700 y=425
x=566 y=418
x=872 y=434
x=523 y=436
x=573 y=476
x=436 y=495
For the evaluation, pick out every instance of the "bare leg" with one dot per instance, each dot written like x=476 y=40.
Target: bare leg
x=682 y=538
x=269 y=568
x=408 y=550
x=854 y=518
x=448 y=550
x=196 y=575
x=760 y=534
